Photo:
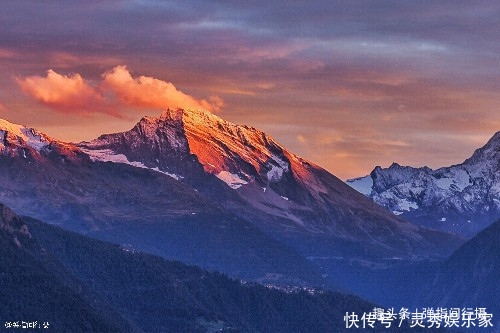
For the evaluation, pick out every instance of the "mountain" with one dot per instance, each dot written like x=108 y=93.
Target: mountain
x=155 y=189
x=145 y=209
x=33 y=290
x=253 y=176
x=462 y=198
x=80 y=284
x=470 y=277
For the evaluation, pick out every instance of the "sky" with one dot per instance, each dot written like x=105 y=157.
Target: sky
x=348 y=85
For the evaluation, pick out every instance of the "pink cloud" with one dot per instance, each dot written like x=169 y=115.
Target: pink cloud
x=148 y=92
x=72 y=94
x=65 y=93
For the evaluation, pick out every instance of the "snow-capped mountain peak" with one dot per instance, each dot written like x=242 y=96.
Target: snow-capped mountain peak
x=461 y=198
x=235 y=154
x=15 y=129
x=254 y=176
x=13 y=137
x=396 y=174
x=486 y=159
x=233 y=167
x=30 y=144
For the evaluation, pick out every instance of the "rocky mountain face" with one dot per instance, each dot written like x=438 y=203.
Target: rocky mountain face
x=257 y=179
x=144 y=209
x=192 y=187
x=463 y=198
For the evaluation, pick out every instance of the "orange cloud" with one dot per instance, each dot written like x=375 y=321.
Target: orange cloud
x=65 y=93
x=71 y=93
x=148 y=92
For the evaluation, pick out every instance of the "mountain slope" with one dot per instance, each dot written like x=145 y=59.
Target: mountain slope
x=462 y=198
x=153 y=294
x=33 y=291
x=470 y=277
x=257 y=179
x=145 y=209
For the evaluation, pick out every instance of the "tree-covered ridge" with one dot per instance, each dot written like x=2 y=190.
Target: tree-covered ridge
x=82 y=284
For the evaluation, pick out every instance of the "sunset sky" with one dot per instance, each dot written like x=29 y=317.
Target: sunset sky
x=346 y=84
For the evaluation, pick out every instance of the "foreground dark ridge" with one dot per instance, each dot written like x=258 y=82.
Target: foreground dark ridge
x=81 y=284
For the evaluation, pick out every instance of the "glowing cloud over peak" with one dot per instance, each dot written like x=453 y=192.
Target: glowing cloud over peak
x=148 y=92
x=65 y=93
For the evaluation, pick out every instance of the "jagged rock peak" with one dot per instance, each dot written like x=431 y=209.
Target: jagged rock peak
x=15 y=139
x=494 y=138
x=201 y=117
x=178 y=113
x=460 y=198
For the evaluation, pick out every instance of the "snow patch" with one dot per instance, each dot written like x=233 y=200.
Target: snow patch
x=443 y=219
x=108 y=155
x=405 y=204
x=34 y=139
x=285 y=198
x=231 y=179
x=277 y=171
x=460 y=178
x=173 y=175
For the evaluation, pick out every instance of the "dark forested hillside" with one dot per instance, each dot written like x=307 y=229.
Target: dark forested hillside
x=32 y=289
x=471 y=276
x=155 y=293
x=81 y=284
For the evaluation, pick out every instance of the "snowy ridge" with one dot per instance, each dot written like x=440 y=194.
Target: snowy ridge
x=221 y=146
x=29 y=136
x=248 y=173
x=233 y=180
x=462 y=198
x=107 y=155
x=14 y=129
x=236 y=154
